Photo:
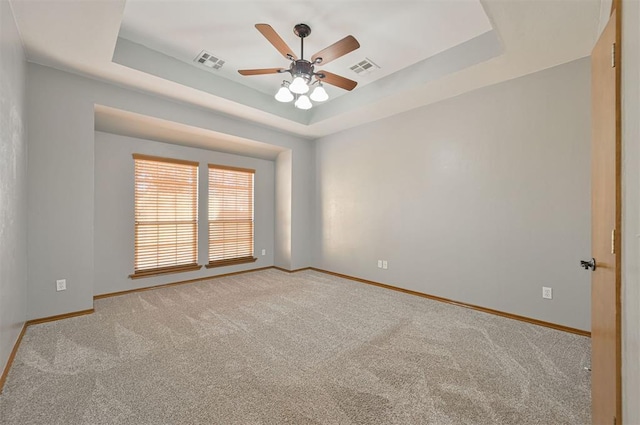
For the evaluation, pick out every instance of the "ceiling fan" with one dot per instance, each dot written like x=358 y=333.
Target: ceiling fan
x=303 y=71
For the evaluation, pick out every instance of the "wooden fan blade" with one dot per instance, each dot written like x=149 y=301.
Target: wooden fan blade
x=337 y=49
x=260 y=71
x=272 y=36
x=337 y=80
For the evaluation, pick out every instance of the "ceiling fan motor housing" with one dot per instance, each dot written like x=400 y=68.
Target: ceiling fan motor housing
x=302 y=68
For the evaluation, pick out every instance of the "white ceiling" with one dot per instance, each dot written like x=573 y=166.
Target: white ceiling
x=388 y=36
x=428 y=50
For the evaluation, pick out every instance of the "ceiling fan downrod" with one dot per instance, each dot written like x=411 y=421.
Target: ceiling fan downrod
x=302 y=31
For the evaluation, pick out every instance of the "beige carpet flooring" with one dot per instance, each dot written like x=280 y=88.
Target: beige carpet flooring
x=270 y=347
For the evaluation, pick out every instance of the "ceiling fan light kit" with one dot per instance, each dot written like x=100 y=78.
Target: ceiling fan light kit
x=303 y=71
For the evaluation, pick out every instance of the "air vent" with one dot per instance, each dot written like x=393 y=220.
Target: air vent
x=363 y=67
x=210 y=61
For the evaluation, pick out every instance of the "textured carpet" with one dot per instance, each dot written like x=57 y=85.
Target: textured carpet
x=270 y=347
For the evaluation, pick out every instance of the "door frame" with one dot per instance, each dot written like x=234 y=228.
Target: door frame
x=617 y=10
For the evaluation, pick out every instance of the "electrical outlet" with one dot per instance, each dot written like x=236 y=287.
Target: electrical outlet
x=385 y=264
x=61 y=285
x=547 y=293
x=264 y=252
x=379 y=264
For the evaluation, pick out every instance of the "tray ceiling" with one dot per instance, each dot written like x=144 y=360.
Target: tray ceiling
x=427 y=50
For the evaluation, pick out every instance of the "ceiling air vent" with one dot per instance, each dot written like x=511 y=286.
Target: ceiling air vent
x=363 y=67
x=207 y=59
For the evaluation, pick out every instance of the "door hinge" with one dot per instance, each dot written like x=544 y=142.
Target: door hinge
x=613 y=55
x=613 y=241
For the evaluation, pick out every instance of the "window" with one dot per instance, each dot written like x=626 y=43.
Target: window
x=230 y=216
x=166 y=216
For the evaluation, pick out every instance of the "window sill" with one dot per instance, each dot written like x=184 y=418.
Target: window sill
x=165 y=270
x=231 y=262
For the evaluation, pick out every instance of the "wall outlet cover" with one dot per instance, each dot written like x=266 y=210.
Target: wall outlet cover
x=61 y=285
x=547 y=293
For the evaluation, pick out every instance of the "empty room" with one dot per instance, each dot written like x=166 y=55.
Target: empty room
x=295 y=212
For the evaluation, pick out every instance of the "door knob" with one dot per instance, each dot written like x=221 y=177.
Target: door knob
x=588 y=264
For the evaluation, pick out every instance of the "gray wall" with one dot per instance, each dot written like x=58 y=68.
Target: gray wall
x=60 y=112
x=483 y=198
x=114 y=210
x=302 y=212
x=631 y=211
x=13 y=185
x=283 y=204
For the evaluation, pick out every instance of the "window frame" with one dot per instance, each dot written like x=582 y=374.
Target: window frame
x=210 y=199
x=139 y=224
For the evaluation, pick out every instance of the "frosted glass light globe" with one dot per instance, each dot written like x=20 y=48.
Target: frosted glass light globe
x=298 y=86
x=303 y=102
x=284 y=95
x=319 y=94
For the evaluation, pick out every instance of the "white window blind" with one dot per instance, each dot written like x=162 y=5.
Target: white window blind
x=230 y=215
x=166 y=215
